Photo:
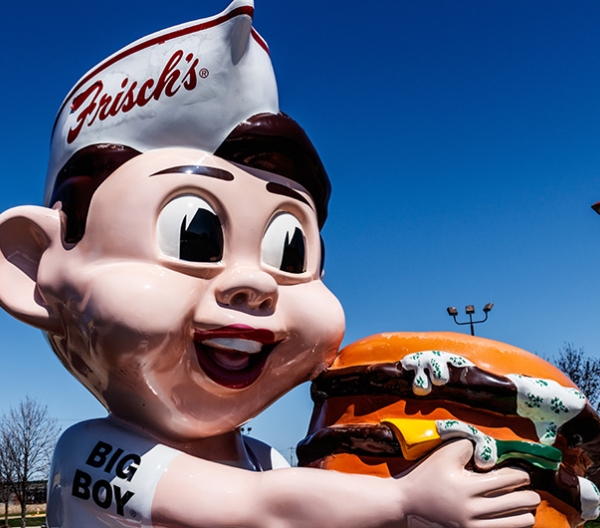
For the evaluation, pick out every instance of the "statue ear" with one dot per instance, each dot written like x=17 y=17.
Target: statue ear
x=25 y=234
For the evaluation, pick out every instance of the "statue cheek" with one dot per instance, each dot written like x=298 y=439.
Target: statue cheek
x=140 y=300
x=316 y=314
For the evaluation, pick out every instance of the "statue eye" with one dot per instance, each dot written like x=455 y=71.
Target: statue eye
x=283 y=244
x=189 y=229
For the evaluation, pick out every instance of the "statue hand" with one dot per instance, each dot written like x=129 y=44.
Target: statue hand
x=441 y=492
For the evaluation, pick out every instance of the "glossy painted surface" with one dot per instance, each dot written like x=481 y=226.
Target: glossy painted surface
x=189 y=298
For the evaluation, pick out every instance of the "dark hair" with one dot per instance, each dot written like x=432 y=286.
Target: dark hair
x=276 y=143
x=271 y=142
x=78 y=180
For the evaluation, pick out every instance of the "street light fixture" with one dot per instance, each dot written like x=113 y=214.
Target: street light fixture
x=470 y=310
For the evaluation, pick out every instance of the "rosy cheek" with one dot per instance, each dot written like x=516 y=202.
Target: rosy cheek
x=136 y=302
x=318 y=314
x=315 y=319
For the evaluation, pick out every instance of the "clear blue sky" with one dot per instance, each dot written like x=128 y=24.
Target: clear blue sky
x=462 y=139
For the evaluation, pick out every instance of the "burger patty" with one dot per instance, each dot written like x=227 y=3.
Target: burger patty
x=470 y=386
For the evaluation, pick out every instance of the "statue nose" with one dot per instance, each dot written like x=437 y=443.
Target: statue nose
x=245 y=287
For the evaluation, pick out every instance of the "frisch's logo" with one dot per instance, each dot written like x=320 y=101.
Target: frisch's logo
x=96 y=104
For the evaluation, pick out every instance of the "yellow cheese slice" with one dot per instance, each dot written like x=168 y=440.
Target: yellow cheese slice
x=416 y=437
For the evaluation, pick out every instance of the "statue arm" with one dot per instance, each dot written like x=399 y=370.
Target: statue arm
x=195 y=493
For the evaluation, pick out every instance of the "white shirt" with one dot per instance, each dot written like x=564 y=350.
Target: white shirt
x=105 y=475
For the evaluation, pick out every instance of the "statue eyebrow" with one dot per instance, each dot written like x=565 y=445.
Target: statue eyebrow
x=200 y=170
x=277 y=188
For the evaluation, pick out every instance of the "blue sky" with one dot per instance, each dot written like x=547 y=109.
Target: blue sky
x=461 y=137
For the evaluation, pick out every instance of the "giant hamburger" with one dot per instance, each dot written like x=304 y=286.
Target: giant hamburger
x=390 y=400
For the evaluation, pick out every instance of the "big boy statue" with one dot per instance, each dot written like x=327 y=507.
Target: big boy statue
x=176 y=269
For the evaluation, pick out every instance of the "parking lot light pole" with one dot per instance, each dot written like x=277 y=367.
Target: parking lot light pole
x=470 y=310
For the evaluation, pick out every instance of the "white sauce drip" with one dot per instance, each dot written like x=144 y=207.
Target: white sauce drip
x=547 y=404
x=590 y=499
x=431 y=367
x=486 y=453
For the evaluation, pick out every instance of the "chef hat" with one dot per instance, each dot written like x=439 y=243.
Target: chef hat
x=186 y=86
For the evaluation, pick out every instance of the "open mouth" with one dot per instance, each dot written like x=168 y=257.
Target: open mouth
x=233 y=356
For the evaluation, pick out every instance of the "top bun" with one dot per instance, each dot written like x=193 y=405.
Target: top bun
x=487 y=354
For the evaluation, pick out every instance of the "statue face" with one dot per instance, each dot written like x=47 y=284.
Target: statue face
x=194 y=299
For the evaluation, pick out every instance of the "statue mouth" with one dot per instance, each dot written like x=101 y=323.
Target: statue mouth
x=234 y=356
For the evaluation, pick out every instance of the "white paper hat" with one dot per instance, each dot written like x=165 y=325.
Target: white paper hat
x=186 y=86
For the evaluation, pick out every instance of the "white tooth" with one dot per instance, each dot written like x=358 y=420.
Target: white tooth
x=239 y=345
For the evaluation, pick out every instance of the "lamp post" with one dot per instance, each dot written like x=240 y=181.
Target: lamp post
x=470 y=310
